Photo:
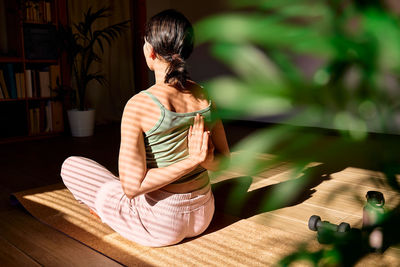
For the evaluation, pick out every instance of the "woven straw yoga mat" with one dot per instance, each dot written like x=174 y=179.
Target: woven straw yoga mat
x=227 y=242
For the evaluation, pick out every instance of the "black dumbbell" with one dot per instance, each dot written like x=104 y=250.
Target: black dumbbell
x=327 y=232
x=315 y=222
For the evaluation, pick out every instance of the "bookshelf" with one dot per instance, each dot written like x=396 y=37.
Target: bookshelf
x=30 y=68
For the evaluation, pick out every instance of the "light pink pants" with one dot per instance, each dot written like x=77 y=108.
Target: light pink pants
x=155 y=219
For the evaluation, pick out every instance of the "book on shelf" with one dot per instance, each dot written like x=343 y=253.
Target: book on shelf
x=44 y=83
x=47 y=118
x=20 y=82
x=28 y=83
x=9 y=77
x=37 y=11
x=18 y=85
x=34 y=121
x=55 y=76
x=1 y=93
x=3 y=85
x=40 y=82
x=35 y=79
x=12 y=85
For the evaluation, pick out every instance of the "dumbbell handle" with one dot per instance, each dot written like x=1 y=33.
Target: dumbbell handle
x=327 y=225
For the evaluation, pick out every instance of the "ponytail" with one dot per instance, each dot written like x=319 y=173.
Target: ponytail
x=177 y=74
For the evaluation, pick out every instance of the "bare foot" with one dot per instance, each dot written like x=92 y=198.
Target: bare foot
x=94 y=214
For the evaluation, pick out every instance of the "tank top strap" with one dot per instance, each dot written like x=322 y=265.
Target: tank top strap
x=154 y=99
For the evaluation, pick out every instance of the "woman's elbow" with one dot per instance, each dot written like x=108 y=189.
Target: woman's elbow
x=128 y=194
x=130 y=187
x=129 y=191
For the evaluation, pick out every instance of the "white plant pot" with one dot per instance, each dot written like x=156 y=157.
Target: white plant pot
x=81 y=122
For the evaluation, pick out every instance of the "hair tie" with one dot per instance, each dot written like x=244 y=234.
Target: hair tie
x=176 y=57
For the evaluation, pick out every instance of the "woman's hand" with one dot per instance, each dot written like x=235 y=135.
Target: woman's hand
x=198 y=141
x=208 y=162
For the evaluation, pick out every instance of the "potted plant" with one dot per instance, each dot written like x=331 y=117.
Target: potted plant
x=84 y=45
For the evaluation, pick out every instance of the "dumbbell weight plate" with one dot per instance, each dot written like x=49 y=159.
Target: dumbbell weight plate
x=343 y=227
x=313 y=221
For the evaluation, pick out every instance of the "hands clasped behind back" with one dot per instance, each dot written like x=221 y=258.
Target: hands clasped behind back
x=198 y=141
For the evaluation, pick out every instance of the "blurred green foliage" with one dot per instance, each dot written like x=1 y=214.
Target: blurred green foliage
x=352 y=87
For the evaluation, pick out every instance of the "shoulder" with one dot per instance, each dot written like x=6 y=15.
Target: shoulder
x=133 y=109
x=202 y=94
x=141 y=110
x=137 y=103
x=198 y=90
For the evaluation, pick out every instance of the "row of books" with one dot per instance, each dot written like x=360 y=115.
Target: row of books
x=46 y=118
x=37 y=11
x=32 y=83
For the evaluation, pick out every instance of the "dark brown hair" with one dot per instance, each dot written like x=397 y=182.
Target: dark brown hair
x=171 y=35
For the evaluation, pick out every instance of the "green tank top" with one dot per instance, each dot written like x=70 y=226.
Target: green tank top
x=166 y=142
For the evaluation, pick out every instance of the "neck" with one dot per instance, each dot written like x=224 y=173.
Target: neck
x=160 y=70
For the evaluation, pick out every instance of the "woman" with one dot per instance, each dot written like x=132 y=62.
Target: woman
x=163 y=192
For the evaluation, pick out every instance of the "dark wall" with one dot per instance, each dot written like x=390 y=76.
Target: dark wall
x=201 y=65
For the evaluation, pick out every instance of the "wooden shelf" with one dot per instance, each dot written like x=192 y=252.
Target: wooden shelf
x=22 y=138
x=40 y=98
x=41 y=61
x=22 y=117
x=12 y=99
x=39 y=23
x=11 y=60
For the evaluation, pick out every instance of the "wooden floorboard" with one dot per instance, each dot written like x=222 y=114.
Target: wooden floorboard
x=336 y=196
x=12 y=256
x=45 y=245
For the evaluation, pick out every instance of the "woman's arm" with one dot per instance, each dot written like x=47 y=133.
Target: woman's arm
x=134 y=176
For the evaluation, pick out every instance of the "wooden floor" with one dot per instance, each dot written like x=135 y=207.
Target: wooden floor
x=31 y=164
x=24 y=241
